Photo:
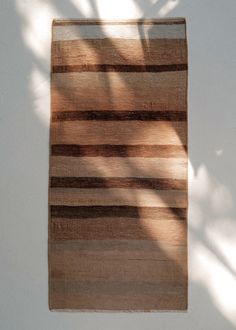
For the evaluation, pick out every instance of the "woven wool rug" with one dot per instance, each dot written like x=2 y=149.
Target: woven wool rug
x=118 y=166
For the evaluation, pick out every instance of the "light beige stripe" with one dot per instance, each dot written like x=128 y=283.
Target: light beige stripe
x=126 y=132
x=175 y=168
x=118 y=196
x=128 y=31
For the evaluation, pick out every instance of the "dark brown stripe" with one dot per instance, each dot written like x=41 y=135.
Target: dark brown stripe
x=84 y=212
x=138 y=183
x=120 y=115
x=107 y=150
x=118 y=68
x=169 y=21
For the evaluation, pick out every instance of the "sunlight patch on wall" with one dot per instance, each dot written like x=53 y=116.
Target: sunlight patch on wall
x=84 y=7
x=36 y=26
x=200 y=185
x=221 y=199
x=119 y=9
x=221 y=283
x=219 y=152
x=39 y=87
x=223 y=238
x=168 y=7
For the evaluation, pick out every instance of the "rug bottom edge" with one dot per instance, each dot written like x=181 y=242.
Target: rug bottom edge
x=67 y=310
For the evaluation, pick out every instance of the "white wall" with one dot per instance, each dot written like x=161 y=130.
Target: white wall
x=24 y=119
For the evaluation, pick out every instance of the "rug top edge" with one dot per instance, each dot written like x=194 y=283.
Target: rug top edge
x=75 y=21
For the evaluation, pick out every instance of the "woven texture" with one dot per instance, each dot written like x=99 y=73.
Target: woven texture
x=118 y=166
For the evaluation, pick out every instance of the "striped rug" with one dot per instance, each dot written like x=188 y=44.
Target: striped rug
x=118 y=166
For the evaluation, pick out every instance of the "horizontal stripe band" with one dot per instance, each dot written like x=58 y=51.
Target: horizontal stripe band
x=118 y=68
x=120 y=115
x=107 y=150
x=92 y=252
x=138 y=167
x=166 y=232
x=159 y=21
x=154 y=52
x=119 y=132
x=121 y=249
x=122 y=91
x=95 y=182
x=118 y=196
x=127 y=31
x=84 y=212
x=117 y=288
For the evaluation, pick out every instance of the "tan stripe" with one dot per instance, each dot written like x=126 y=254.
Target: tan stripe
x=175 y=168
x=147 y=81
x=119 y=51
x=124 y=302
x=119 y=250
x=131 y=99
x=114 y=288
x=117 y=196
x=119 y=91
x=135 y=132
x=116 y=263
x=166 y=232
x=72 y=265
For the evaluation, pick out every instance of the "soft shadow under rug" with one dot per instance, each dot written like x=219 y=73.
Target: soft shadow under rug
x=118 y=166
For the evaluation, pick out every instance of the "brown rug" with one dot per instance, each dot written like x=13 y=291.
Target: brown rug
x=118 y=166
